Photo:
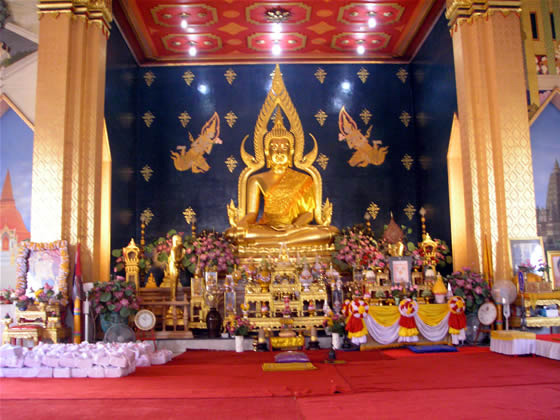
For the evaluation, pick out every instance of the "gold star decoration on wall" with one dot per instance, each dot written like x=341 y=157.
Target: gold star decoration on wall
x=184 y=117
x=188 y=77
x=402 y=74
x=405 y=118
x=320 y=74
x=322 y=161
x=363 y=74
x=365 y=115
x=149 y=78
x=321 y=117
x=373 y=210
x=409 y=210
x=230 y=75
x=231 y=163
x=146 y=216
x=189 y=214
x=148 y=118
x=231 y=118
x=147 y=173
x=407 y=161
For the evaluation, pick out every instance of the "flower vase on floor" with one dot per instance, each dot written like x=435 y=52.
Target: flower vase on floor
x=336 y=341
x=213 y=323
x=239 y=340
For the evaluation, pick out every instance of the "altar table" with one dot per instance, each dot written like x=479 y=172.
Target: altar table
x=513 y=342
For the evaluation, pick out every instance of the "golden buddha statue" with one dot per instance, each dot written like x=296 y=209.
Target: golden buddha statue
x=291 y=197
x=172 y=272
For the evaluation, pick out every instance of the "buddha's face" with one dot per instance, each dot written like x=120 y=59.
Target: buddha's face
x=279 y=153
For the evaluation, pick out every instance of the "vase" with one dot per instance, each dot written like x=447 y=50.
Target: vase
x=213 y=323
x=239 y=340
x=111 y=319
x=336 y=341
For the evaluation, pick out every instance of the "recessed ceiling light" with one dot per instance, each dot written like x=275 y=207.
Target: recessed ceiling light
x=202 y=88
x=371 y=23
x=361 y=49
x=345 y=86
x=184 y=23
x=291 y=41
x=276 y=28
x=192 y=51
x=276 y=49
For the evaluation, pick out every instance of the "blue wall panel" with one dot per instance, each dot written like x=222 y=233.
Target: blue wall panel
x=435 y=102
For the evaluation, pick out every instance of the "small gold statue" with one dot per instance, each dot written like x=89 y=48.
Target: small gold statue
x=176 y=255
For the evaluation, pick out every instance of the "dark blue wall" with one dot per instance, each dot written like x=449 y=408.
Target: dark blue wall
x=120 y=113
x=350 y=189
x=435 y=102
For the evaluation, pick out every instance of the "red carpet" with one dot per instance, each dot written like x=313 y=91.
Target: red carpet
x=555 y=338
x=470 y=384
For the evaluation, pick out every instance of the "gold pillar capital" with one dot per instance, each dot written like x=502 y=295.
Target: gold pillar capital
x=95 y=10
x=460 y=10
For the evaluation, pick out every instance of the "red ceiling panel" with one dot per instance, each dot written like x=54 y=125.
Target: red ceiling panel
x=228 y=31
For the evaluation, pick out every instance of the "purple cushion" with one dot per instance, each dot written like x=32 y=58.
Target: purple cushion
x=291 y=357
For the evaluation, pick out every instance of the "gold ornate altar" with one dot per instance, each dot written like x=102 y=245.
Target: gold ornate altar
x=282 y=300
x=40 y=322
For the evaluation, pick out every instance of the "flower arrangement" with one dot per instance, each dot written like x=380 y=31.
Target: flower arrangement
x=527 y=267
x=47 y=296
x=7 y=296
x=334 y=323
x=236 y=325
x=411 y=291
x=21 y=300
x=117 y=296
x=471 y=287
x=398 y=292
x=208 y=249
x=357 y=247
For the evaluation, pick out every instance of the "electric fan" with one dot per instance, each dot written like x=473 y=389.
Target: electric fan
x=119 y=333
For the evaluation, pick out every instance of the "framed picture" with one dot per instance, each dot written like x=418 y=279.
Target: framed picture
x=400 y=268
x=526 y=250
x=554 y=263
x=39 y=264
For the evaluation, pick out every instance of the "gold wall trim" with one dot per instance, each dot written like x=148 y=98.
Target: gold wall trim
x=5 y=101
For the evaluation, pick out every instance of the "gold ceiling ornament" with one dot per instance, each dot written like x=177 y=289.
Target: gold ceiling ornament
x=147 y=172
x=188 y=76
x=365 y=115
x=405 y=118
x=149 y=78
x=230 y=75
x=363 y=74
x=148 y=118
x=323 y=161
x=146 y=216
x=231 y=163
x=409 y=210
x=231 y=118
x=373 y=210
x=189 y=214
x=402 y=74
x=321 y=117
x=320 y=74
x=407 y=161
x=184 y=117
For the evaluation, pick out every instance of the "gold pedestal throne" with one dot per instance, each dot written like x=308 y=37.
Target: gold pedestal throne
x=289 y=189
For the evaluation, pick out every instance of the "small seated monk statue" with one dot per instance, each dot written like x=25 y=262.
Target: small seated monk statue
x=288 y=196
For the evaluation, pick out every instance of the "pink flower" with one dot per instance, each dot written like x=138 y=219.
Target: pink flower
x=124 y=302
x=478 y=290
